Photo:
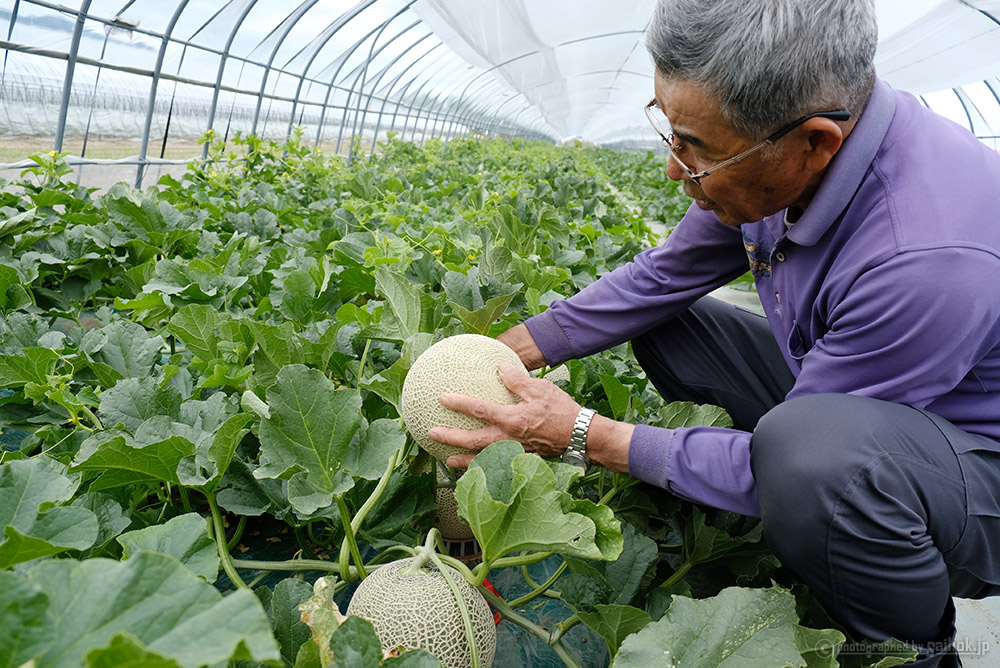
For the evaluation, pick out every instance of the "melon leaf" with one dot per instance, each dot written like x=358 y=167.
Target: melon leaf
x=148 y=607
x=744 y=628
x=512 y=502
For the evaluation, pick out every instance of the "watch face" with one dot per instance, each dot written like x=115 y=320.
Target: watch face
x=575 y=458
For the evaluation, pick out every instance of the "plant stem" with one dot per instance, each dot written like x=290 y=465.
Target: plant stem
x=508 y=613
x=458 y=566
x=349 y=539
x=376 y=494
x=463 y=608
x=220 y=543
x=293 y=565
x=679 y=574
x=563 y=627
x=520 y=560
x=235 y=540
x=539 y=590
x=352 y=525
x=185 y=499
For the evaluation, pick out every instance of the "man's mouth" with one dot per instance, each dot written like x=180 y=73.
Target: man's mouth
x=701 y=202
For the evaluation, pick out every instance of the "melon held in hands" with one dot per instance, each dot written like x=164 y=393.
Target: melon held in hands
x=464 y=364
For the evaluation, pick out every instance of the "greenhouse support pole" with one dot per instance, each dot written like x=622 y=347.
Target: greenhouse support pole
x=388 y=91
x=364 y=73
x=333 y=29
x=67 y=90
x=150 y=107
x=343 y=58
x=290 y=21
x=222 y=69
x=420 y=108
x=485 y=72
x=359 y=126
x=420 y=105
x=458 y=105
x=402 y=93
x=378 y=80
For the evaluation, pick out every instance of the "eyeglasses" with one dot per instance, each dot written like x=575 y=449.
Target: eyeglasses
x=659 y=120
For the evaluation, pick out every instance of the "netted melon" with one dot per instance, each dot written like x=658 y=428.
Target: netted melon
x=414 y=611
x=463 y=364
x=447 y=521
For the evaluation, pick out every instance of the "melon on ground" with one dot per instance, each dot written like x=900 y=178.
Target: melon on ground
x=463 y=364
x=415 y=611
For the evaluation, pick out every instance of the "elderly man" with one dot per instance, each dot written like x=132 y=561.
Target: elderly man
x=867 y=403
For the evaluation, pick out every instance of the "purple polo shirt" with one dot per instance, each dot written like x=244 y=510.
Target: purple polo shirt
x=888 y=286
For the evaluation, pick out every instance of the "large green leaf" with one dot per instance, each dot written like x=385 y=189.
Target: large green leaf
x=184 y=537
x=23 y=618
x=307 y=436
x=739 y=628
x=133 y=400
x=33 y=365
x=124 y=346
x=614 y=623
x=402 y=300
x=512 y=501
x=152 y=604
x=34 y=525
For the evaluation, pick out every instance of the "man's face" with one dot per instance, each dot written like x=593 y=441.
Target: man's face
x=760 y=185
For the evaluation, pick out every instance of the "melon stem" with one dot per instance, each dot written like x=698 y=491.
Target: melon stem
x=470 y=633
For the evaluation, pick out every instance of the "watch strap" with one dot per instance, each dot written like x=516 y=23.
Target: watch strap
x=578 y=439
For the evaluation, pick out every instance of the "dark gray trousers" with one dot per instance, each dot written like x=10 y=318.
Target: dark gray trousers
x=884 y=510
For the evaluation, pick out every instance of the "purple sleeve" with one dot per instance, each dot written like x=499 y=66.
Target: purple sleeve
x=700 y=255
x=709 y=465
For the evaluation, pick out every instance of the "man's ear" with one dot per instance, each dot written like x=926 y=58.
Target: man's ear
x=822 y=138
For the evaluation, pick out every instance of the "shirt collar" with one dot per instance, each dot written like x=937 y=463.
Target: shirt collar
x=848 y=168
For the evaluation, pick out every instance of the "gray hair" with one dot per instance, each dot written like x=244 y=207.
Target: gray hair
x=769 y=62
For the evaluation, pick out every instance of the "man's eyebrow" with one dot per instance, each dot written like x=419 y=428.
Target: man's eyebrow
x=689 y=139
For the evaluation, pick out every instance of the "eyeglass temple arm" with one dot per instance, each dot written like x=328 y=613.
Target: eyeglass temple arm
x=837 y=115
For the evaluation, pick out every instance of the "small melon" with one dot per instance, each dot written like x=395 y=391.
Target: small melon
x=415 y=611
x=447 y=521
x=463 y=364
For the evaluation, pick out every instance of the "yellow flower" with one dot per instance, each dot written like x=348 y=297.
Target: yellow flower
x=471 y=257
x=214 y=175
x=52 y=154
x=437 y=251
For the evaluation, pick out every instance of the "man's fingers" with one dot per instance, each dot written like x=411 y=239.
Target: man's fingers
x=470 y=439
x=514 y=379
x=477 y=408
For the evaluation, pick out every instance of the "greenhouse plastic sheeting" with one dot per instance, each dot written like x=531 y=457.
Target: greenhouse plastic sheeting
x=147 y=78
x=583 y=63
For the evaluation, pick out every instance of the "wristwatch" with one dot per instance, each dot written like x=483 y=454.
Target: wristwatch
x=576 y=453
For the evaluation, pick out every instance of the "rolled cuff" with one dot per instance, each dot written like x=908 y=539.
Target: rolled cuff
x=707 y=465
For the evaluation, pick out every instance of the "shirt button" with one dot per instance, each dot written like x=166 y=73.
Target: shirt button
x=779 y=256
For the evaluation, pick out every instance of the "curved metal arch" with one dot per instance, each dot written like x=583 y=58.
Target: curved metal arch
x=415 y=109
x=329 y=33
x=466 y=90
x=359 y=116
x=450 y=59
x=74 y=50
x=181 y=5
x=378 y=79
x=424 y=101
x=222 y=69
x=388 y=91
x=479 y=112
x=282 y=31
x=341 y=60
x=372 y=54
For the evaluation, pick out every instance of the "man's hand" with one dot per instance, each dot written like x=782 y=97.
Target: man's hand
x=519 y=339
x=542 y=422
